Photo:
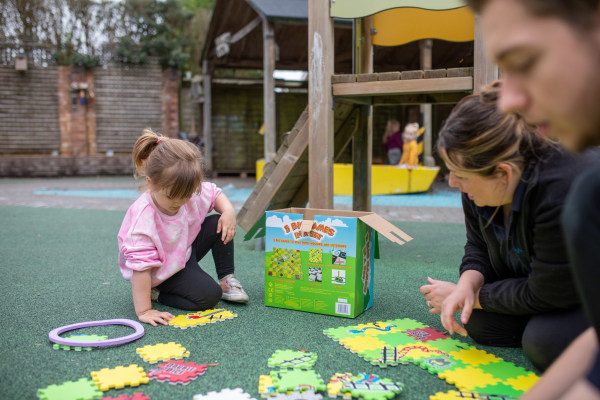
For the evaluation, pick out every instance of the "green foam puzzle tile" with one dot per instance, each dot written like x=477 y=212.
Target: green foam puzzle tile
x=297 y=379
x=292 y=359
x=504 y=370
x=364 y=386
x=80 y=338
x=83 y=389
x=499 y=389
x=449 y=345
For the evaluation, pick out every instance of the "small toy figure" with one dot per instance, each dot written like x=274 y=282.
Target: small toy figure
x=410 y=156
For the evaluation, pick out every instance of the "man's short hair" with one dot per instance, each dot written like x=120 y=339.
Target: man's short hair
x=579 y=13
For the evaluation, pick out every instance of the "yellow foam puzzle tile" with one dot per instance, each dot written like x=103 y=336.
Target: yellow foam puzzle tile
x=454 y=395
x=523 y=382
x=468 y=378
x=119 y=377
x=334 y=387
x=474 y=356
x=162 y=352
x=359 y=344
x=201 y=318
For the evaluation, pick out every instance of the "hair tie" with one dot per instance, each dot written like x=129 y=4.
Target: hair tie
x=159 y=140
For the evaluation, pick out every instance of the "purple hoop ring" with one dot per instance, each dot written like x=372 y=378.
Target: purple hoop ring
x=54 y=334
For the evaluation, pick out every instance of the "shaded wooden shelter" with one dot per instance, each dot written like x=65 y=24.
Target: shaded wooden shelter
x=350 y=75
x=273 y=34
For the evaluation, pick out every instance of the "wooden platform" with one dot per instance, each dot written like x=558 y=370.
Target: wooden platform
x=285 y=179
x=437 y=86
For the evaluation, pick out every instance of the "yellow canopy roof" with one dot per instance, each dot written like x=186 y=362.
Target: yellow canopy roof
x=404 y=25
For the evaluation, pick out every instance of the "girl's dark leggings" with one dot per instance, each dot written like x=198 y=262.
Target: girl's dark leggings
x=192 y=288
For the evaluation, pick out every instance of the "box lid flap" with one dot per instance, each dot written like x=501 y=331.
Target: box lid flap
x=386 y=228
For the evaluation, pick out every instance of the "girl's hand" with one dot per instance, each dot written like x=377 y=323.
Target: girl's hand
x=435 y=293
x=153 y=316
x=226 y=226
x=460 y=299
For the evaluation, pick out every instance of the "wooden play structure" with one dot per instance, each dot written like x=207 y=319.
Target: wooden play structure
x=339 y=111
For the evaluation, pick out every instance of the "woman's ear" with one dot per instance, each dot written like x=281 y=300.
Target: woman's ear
x=505 y=172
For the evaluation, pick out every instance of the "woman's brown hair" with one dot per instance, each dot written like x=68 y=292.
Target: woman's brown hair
x=476 y=136
x=173 y=165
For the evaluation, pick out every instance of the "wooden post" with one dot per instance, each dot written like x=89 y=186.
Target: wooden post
x=362 y=143
x=426 y=50
x=207 y=112
x=484 y=71
x=320 y=102
x=270 y=138
x=362 y=157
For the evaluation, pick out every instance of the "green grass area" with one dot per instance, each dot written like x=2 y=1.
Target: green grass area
x=59 y=266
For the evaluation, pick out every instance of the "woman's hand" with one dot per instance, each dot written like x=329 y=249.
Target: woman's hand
x=435 y=293
x=463 y=299
x=153 y=316
x=226 y=226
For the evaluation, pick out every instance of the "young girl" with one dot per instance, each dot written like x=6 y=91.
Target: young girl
x=410 y=156
x=166 y=231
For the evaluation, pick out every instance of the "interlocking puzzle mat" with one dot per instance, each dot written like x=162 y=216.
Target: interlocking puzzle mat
x=225 y=394
x=119 y=377
x=297 y=379
x=135 y=396
x=285 y=263
x=83 y=389
x=292 y=359
x=201 y=318
x=405 y=340
x=176 y=372
x=82 y=337
x=315 y=256
x=364 y=386
x=162 y=352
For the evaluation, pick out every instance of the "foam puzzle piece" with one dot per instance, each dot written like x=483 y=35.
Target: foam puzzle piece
x=176 y=372
x=305 y=395
x=297 y=379
x=75 y=338
x=82 y=389
x=135 y=396
x=405 y=340
x=201 y=318
x=154 y=353
x=454 y=395
x=364 y=386
x=292 y=359
x=119 y=377
x=266 y=388
x=225 y=394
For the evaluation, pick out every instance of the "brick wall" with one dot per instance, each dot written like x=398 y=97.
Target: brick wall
x=29 y=119
x=127 y=101
x=70 y=121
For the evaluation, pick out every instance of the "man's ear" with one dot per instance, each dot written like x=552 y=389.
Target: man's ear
x=505 y=172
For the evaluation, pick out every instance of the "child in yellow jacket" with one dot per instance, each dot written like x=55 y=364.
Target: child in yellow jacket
x=410 y=152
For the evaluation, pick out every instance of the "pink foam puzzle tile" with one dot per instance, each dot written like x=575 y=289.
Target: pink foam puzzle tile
x=176 y=372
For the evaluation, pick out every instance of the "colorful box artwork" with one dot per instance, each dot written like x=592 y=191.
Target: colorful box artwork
x=403 y=341
x=322 y=261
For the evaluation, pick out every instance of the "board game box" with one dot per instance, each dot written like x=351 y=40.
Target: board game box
x=322 y=261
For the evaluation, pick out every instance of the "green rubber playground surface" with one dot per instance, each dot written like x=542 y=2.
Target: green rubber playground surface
x=59 y=267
